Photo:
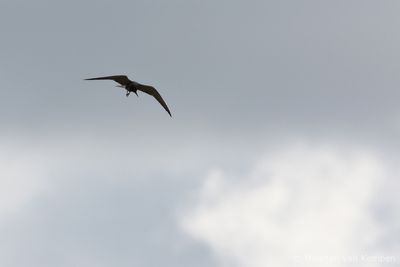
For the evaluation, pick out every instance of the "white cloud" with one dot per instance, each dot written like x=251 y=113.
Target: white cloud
x=301 y=206
x=22 y=176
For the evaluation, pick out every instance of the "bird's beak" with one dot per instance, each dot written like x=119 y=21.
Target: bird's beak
x=136 y=94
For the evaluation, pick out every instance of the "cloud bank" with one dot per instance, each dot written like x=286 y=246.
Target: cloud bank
x=300 y=206
x=67 y=202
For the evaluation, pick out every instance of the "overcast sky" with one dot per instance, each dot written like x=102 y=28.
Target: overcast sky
x=282 y=149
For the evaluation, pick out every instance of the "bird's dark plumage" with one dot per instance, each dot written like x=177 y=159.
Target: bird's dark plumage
x=132 y=86
x=153 y=92
x=121 y=79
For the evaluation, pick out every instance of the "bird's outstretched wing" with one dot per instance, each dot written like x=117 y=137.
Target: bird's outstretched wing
x=153 y=92
x=121 y=79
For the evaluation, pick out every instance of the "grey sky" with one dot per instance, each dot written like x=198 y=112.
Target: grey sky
x=313 y=63
x=241 y=78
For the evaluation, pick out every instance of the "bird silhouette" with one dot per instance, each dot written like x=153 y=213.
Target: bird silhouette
x=132 y=86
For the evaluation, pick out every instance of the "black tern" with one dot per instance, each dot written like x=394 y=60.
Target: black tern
x=132 y=86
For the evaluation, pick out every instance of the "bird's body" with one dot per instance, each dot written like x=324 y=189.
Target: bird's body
x=132 y=86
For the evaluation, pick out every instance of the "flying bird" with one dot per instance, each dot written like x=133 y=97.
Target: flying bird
x=132 y=86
